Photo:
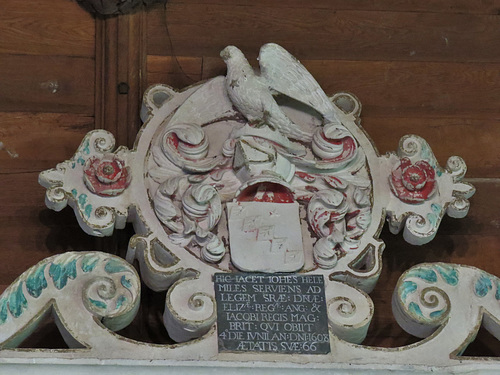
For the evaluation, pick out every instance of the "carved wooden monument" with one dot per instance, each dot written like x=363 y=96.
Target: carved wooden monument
x=257 y=202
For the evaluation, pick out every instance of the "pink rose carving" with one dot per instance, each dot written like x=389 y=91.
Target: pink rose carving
x=106 y=176
x=413 y=183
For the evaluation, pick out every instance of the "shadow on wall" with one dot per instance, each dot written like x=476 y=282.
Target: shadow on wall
x=114 y=7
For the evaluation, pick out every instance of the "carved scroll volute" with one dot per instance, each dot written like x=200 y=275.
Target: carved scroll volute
x=350 y=311
x=80 y=289
x=420 y=192
x=447 y=301
x=190 y=308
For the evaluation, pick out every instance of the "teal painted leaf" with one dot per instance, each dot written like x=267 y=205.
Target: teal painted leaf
x=89 y=262
x=126 y=282
x=408 y=287
x=88 y=210
x=36 y=282
x=432 y=219
x=17 y=301
x=426 y=274
x=436 y=208
x=415 y=309
x=60 y=273
x=497 y=294
x=82 y=200
x=115 y=265
x=3 y=310
x=483 y=286
x=74 y=192
x=98 y=304
x=448 y=273
x=121 y=300
x=437 y=314
x=86 y=149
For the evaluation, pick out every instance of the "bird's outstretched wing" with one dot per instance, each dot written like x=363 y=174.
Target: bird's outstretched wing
x=206 y=105
x=284 y=73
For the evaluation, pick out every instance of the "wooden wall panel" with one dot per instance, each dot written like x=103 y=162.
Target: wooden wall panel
x=47 y=73
x=30 y=232
x=321 y=34
x=388 y=88
x=57 y=27
x=429 y=6
x=47 y=139
x=177 y=72
x=120 y=75
x=62 y=84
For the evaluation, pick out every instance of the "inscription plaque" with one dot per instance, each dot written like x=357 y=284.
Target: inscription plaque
x=271 y=313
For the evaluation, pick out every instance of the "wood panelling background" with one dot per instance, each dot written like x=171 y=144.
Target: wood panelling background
x=424 y=67
x=47 y=74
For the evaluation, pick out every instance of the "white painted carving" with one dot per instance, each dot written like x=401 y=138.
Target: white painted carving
x=262 y=171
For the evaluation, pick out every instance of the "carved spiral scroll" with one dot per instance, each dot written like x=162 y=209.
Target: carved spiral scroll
x=186 y=145
x=102 y=141
x=107 y=286
x=115 y=298
x=350 y=312
x=418 y=227
x=419 y=303
x=457 y=167
x=190 y=309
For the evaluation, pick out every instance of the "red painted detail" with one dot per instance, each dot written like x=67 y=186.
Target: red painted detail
x=349 y=147
x=350 y=215
x=266 y=192
x=312 y=189
x=107 y=176
x=413 y=183
x=335 y=182
x=305 y=176
x=173 y=140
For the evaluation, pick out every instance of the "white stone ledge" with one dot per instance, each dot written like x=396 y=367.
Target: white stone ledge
x=54 y=366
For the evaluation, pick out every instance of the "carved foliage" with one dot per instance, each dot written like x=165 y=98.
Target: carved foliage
x=105 y=286
x=92 y=182
x=421 y=191
x=440 y=295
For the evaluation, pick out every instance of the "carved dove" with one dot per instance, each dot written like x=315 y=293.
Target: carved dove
x=252 y=94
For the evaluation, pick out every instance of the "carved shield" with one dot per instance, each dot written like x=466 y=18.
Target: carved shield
x=265 y=237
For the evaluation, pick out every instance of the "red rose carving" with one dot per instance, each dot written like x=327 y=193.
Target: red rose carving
x=107 y=176
x=413 y=183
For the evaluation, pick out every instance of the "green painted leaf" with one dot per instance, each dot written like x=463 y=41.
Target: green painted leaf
x=115 y=265
x=121 y=300
x=448 y=273
x=36 y=282
x=17 y=301
x=60 y=273
x=3 y=310
x=483 y=286
x=126 y=282
x=89 y=262
x=415 y=309
x=423 y=273
x=98 y=304
x=408 y=287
